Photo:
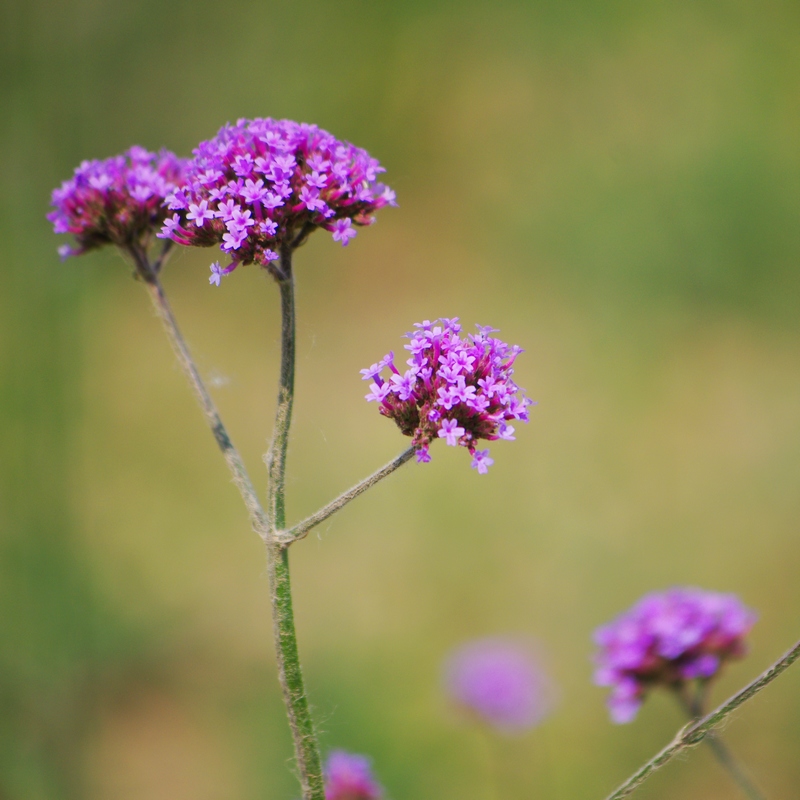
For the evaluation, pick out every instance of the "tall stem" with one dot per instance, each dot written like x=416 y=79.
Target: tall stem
x=231 y=455
x=289 y=671
x=276 y=455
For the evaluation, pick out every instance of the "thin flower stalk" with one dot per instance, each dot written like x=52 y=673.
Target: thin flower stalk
x=149 y=272
x=694 y=733
x=301 y=529
x=290 y=673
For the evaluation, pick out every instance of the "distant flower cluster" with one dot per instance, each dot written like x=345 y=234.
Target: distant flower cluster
x=263 y=183
x=455 y=389
x=499 y=681
x=349 y=777
x=666 y=639
x=117 y=201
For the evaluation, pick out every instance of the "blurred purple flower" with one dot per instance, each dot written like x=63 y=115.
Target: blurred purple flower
x=667 y=639
x=263 y=184
x=499 y=681
x=349 y=777
x=117 y=201
x=455 y=389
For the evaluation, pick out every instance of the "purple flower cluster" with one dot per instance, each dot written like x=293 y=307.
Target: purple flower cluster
x=455 y=389
x=499 y=681
x=349 y=777
x=668 y=638
x=117 y=201
x=261 y=184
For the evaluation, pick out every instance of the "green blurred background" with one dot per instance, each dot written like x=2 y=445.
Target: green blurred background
x=613 y=184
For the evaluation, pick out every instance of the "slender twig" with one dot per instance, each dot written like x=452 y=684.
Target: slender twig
x=300 y=530
x=276 y=455
x=492 y=767
x=694 y=733
x=304 y=233
x=231 y=455
x=162 y=256
x=291 y=677
x=694 y=707
x=732 y=767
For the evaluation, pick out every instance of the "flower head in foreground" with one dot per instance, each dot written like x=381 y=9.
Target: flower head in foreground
x=455 y=389
x=117 y=201
x=667 y=639
x=263 y=184
x=349 y=777
x=499 y=681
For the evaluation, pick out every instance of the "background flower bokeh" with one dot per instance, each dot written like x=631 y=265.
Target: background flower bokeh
x=616 y=186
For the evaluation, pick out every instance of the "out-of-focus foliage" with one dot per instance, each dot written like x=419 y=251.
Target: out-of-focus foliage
x=615 y=185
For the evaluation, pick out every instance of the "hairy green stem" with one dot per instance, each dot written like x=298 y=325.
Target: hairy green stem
x=291 y=677
x=276 y=455
x=694 y=733
x=300 y=530
x=241 y=479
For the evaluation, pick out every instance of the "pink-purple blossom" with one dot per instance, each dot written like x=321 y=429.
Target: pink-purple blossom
x=481 y=461
x=499 y=681
x=349 y=777
x=267 y=184
x=343 y=231
x=116 y=201
x=668 y=639
x=457 y=389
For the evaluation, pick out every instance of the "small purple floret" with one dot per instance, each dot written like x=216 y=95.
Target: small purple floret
x=456 y=389
x=499 y=681
x=481 y=461
x=216 y=273
x=349 y=777
x=667 y=639
x=343 y=231
x=451 y=431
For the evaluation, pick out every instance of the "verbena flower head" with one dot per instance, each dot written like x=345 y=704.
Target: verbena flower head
x=499 y=681
x=117 y=201
x=667 y=639
x=349 y=777
x=263 y=184
x=455 y=389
